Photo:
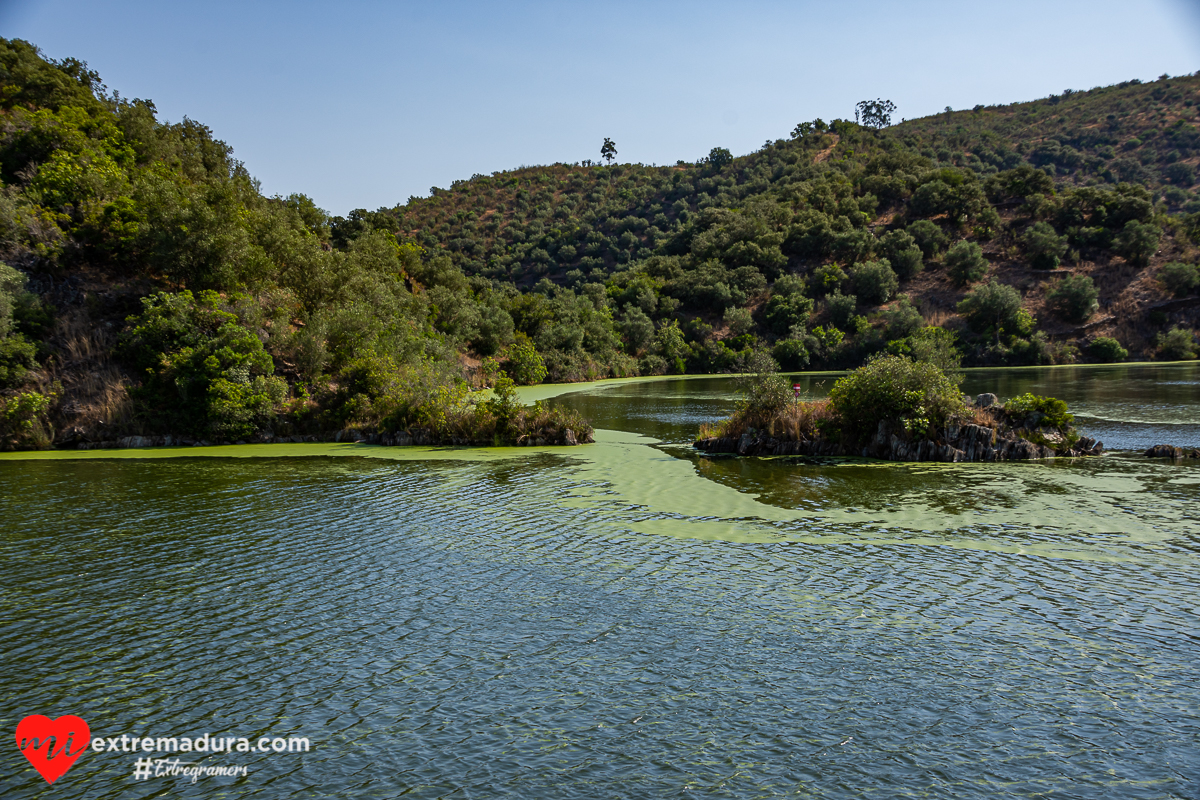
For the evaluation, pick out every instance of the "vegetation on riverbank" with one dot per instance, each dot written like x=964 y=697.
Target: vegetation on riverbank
x=149 y=287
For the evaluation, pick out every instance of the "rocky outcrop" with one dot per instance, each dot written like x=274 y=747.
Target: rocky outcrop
x=967 y=442
x=1170 y=451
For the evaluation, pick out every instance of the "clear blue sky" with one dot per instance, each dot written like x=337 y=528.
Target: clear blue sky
x=361 y=104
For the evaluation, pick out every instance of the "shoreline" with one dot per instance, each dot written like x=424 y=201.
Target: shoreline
x=527 y=394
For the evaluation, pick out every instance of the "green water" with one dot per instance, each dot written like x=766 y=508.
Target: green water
x=624 y=619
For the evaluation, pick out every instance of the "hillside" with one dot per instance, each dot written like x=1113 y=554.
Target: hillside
x=151 y=288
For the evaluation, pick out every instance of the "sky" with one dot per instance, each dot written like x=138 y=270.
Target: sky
x=364 y=104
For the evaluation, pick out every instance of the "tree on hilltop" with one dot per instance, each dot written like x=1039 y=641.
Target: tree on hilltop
x=609 y=150
x=874 y=113
x=719 y=157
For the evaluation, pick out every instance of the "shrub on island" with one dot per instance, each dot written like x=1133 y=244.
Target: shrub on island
x=898 y=409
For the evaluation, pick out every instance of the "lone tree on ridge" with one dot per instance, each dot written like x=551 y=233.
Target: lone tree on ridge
x=609 y=150
x=874 y=113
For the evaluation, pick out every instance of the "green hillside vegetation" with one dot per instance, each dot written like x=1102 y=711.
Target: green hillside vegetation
x=151 y=287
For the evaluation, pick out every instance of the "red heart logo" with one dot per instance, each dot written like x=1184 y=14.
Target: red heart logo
x=38 y=735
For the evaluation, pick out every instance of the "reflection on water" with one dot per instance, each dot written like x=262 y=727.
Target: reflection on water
x=627 y=619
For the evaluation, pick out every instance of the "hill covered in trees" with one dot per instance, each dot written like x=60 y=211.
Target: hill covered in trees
x=150 y=286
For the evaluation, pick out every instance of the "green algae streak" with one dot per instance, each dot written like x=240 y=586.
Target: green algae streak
x=648 y=481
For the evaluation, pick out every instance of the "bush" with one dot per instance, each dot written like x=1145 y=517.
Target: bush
x=1180 y=279
x=1137 y=242
x=840 y=307
x=636 y=328
x=1046 y=248
x=965 y=263
x=740 y=321
x=874 y=282
x=763 y=390
x=17 y=356
x=928 y=237
x=1074 y=298
x=907 y=263
x=826 y=278
x=785 y=311
x=791 y=354
x=936 y=346
x=788 y=284
x=23 y=421
x=1040 y=412
x=12 y=284
x=991 y=306
x=1106 y=349
x=205 y=374
x=1177 y=344
x=902 y=319
x=914 y=395
x=901 y=251
x=1180 y=174
x=523 y=363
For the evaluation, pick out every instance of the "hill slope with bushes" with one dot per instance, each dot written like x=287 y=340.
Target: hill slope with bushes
x=149 y=286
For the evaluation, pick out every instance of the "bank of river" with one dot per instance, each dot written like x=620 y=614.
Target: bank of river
x=625 y=619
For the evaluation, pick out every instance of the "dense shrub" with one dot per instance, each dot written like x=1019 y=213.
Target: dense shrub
x=23 y=421
x=762 y=389
x=17 y=353
x=826 y=278
x=1035 y=411
x=1074 y=299
x=1137 y=242
x=965 y=263
x=740 y=322
x=993 y=306
x=914 y=395
x=936 y=346
x=523 y=363
x=874 y=282
x=841 y=307
x=902 y=319
x=1046 y=248
x=1106 y=349
x=792 y=354
x=1180 y=279
x=203 y=373
x=785 y=311
x=1177 y=344
x=928 y=237
x=901 y=251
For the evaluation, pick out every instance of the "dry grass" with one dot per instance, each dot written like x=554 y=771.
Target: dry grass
x=978 y=416
x=94 y=390
x=796 y=421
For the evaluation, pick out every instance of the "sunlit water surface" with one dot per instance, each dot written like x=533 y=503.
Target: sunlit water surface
x=626 y=619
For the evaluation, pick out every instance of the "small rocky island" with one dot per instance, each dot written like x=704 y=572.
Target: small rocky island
x=896 y=409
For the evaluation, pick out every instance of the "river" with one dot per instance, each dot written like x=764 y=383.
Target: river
x=628 y=619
